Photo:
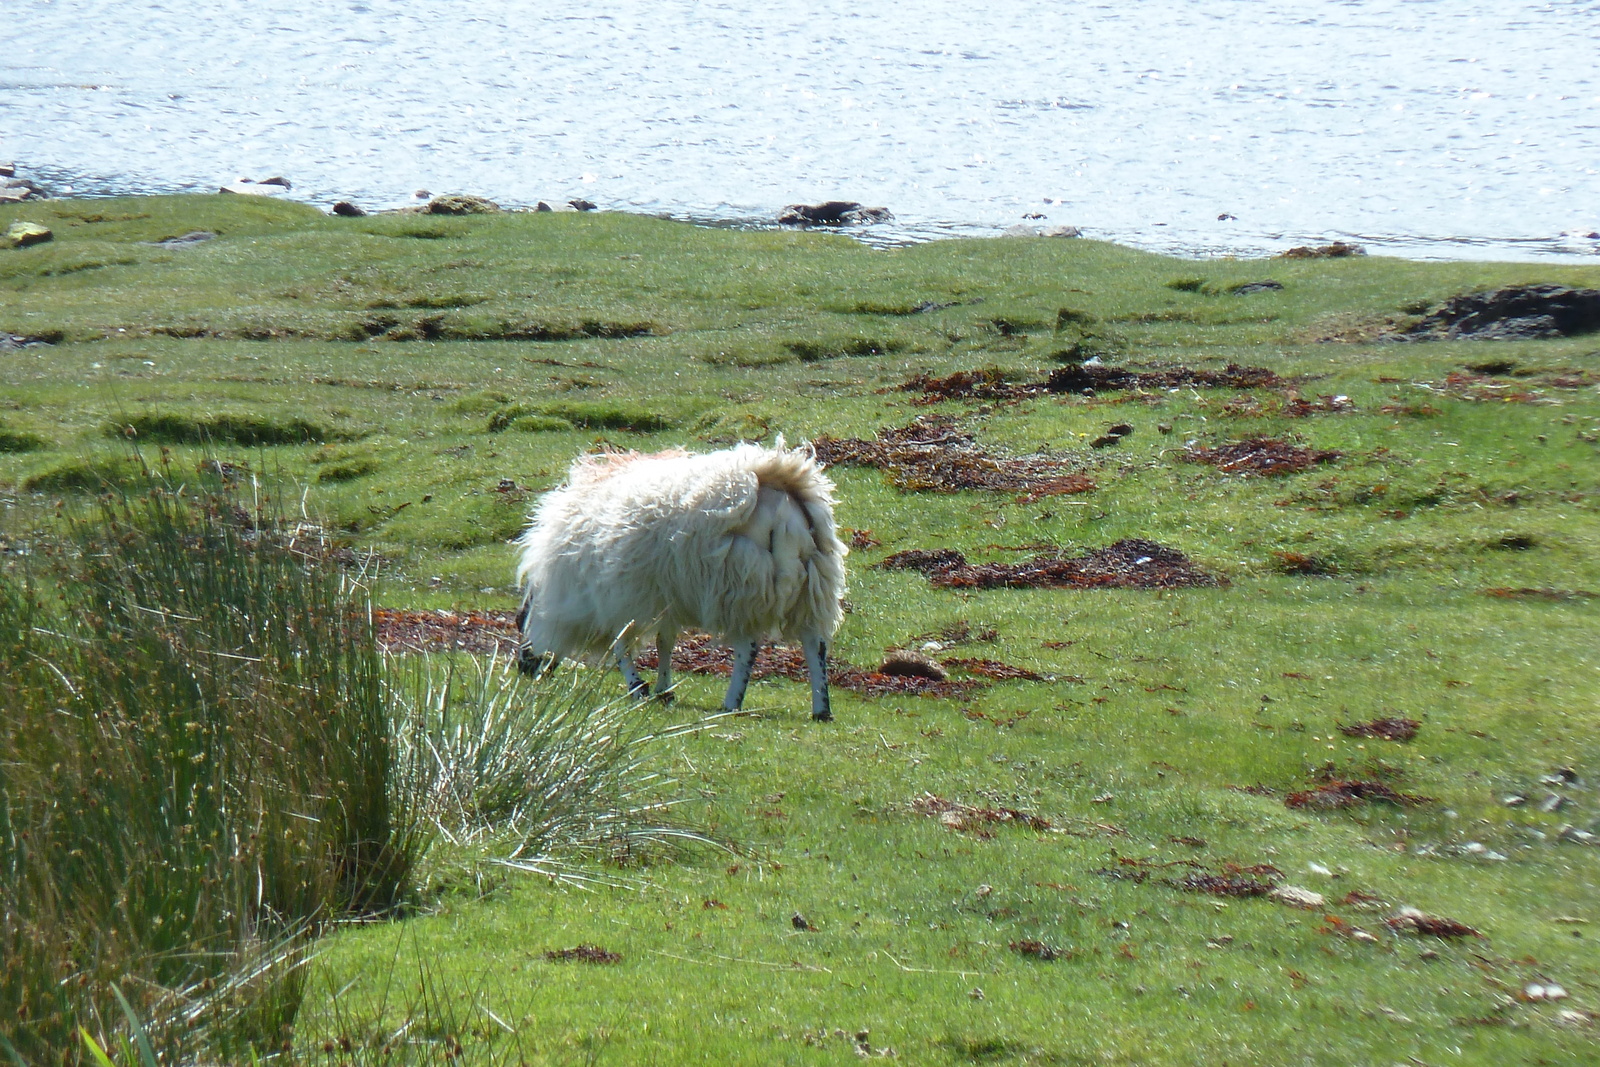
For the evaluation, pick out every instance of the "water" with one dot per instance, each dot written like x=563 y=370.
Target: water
x=1427 y=128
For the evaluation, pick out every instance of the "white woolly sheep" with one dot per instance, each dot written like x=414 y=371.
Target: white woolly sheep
x=739 y=542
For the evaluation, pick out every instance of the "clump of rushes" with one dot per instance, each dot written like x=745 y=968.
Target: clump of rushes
x=540 y=771
x=196 y=772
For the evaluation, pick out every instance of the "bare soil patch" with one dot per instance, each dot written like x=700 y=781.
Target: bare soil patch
x=931 y=454
x=1127 y=564
x=1261 y=455
x=990 y=383
x=1383 y=729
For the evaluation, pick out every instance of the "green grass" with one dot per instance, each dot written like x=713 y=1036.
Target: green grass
x=396 y=337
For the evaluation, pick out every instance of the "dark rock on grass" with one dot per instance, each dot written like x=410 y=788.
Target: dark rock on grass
x=1113 y=436
x=460 y=204
x=1336 y=250
x=581 y=204
x=832 y=213
x=1517 y=312
x=1261 y=455
x=345 y=209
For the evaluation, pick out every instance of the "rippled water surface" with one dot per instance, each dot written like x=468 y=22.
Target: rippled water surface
x=1455 y=128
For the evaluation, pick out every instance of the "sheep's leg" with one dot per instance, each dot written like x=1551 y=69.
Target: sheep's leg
x=817 y=667
x=744 y=661
x=630 y=674
x=665 y=639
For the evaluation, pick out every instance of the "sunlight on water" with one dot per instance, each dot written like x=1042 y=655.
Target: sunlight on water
x=1429 y=128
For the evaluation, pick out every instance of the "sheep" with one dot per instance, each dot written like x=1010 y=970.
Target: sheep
x=739 y=542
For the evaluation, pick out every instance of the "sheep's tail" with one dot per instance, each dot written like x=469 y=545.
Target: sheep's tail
x=793 y=521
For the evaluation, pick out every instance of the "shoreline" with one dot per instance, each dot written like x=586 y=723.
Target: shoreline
x=1570 y=248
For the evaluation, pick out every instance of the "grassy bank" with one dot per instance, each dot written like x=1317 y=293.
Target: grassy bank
x=423 y=378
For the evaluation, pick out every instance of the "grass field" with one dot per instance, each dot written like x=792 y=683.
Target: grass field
x=418 y=380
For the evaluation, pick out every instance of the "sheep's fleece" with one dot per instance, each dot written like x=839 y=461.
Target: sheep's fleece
x=739 y=542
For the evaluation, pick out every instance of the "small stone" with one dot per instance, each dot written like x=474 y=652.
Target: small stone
x=8 y=170
x=346 y=209
x=1552 y=802
x=22 y=234
x=1296 y=897
x=1515 y=800
x=246 y=187
x=583 y=205
x=1361 y=935
x=1164 y=427
x=1061 y=231
x=1317 y=868
x=460 y=204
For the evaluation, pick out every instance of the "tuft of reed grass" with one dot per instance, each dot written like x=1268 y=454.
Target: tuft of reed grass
x=540 y=770
x=196 y=772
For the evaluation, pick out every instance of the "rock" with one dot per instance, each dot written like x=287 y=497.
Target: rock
x=345 y=209
x=8 y=170
x=246 y=187
x=460 y=204
x=277 y=180
x=544 y=205
x=909 y=664
x=193 y=237
x=1516 y=312
x=583 y=205
x=832 y=213
x=1336 y=250
x=1552 y=802
x=1019 y=230
x=22 y=234
x=13 y=190
x=1061 y=231
x=1294 y=896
